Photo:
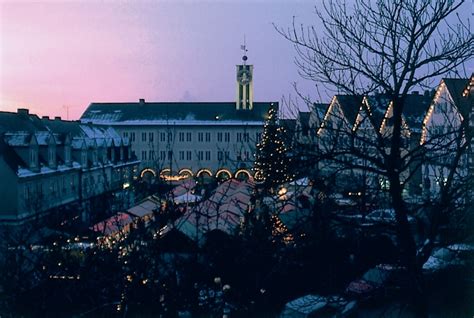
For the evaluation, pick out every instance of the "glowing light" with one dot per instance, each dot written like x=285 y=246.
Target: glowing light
x=153 y=172
x=224 y=171
x=200 y=172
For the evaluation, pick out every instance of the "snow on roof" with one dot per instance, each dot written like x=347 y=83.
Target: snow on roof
x=145 y=207
x=222 y=211
x=42 y=137
x=184 y=187
x=24 y=172
x=170 y=113
x=176 y=122
x=306 y=305
x=187 y=198
x=20 y=138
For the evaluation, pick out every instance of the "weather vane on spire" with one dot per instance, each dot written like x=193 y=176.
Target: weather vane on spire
x=244 y=49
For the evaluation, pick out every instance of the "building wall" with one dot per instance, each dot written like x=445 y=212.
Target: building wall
x=42 y=192
x=9 y=191
x=441 y=129
x=193 y=147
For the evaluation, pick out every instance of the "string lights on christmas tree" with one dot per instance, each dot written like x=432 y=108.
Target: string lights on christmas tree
x=272 y=162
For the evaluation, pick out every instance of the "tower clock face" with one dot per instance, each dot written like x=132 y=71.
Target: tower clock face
x=244 y=77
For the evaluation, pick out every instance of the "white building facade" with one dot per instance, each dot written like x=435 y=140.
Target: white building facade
x=180 y=140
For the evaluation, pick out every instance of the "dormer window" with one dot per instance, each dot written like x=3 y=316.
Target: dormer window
x=84 y=158
x=104 y=155
x=67 y=155
x=94 y=157
x=33 y=158
x=51 y=156
x=121 y=153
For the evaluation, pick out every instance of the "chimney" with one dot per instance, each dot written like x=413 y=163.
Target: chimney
x=141 y=101
x=45 y=117
x=23 y=111
x=57 y=118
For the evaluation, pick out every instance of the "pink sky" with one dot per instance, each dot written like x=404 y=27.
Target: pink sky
x=71 y=53
x=58 y=54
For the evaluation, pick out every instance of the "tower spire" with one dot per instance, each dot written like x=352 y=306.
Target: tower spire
x=244 y=50
x=244 y=92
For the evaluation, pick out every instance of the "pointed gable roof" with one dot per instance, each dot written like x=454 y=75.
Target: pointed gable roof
x=350 y=105
x=377 y=105
x=415 y=108
x=456 y=87
x=318 y=110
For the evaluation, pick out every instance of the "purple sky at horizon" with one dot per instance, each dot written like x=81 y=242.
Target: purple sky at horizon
x=72 y=53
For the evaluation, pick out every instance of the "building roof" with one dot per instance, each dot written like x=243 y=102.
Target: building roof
x=415 y=108
x=456 y=86
x=18 y=130
x=289 y=124
x=350 y=105
x=303 y=118
x=25 y=122
x=319 y=110
x=378 y=105
x=185 y=113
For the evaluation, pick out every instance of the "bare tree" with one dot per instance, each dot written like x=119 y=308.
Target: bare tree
x=390 y=47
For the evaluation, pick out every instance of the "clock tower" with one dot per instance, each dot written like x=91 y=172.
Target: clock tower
x=244 y=94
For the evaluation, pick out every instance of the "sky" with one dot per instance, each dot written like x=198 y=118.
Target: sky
x=56 y=57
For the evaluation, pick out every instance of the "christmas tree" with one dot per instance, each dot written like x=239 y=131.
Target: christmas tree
x=272 y=161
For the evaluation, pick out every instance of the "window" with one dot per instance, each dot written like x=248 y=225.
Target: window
x=220 y=155
x=64 y=189
x=151 y=136
x=181 y=136
x=162 y=155
x=227 y=137
x=246 y=137
x=226 y=155
x=246 y=155
x=200 y=137
x=208 y=155
x=219 y=137
x=170 y=155
x=132 y=136
x=200 y=155
x=125 y=134
x=258 y=136
x=189 y=136
x=208 y=137
x=239 y=137
x=51 y=155
x=143 y=136
x=162 y=137
x=189 y=155
x=151 y=155
x=170 y=137
x=84 y=158
x=144 y=155
x=27 y=192
x=94 y=156
x=181 y=155
x=33 y=157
